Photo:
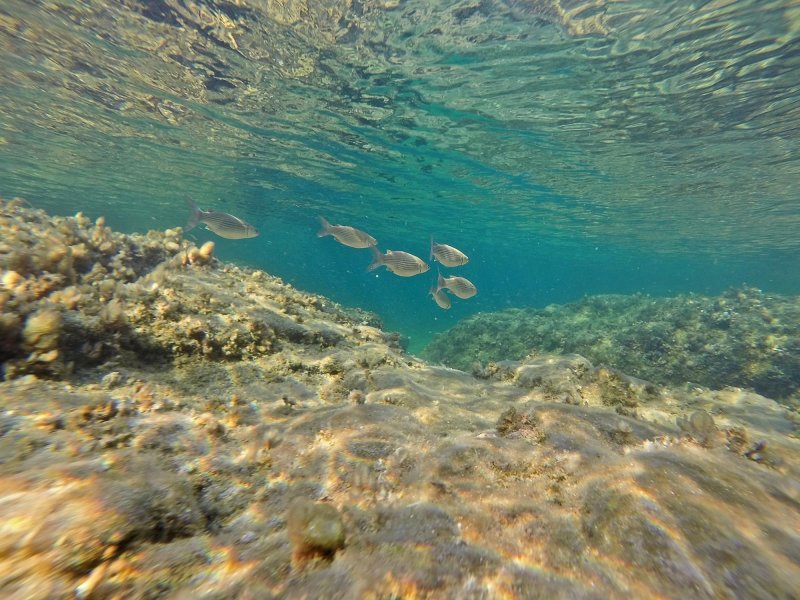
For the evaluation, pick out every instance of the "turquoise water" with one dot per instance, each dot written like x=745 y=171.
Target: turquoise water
x=568 y=147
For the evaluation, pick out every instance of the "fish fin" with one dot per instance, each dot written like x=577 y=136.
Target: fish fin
x=195 y=214
x=377 y=259
x=326 y=228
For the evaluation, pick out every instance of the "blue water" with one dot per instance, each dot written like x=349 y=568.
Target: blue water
x=615 y=147
x=527 y=273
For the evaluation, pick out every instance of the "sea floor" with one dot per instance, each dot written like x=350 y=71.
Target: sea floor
x=175 y=427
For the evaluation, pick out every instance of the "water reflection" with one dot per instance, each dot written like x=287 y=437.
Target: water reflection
x=643 y=125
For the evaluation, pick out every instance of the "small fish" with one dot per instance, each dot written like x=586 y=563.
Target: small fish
x=447 y=255
x=398 y=262
x=344 y=234
x=460 y=286
x=223 y=224
x=440 y=297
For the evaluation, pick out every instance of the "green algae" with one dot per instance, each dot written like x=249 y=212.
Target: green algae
x=743 y=338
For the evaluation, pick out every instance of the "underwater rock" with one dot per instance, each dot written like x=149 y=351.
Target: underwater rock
x=743 y=338
x=153 y=292
x=512 y=421
x=700 y=426
x=314 y=529
x=41 y=331
x=561 y=376
x=10 y=330
x=209 y=406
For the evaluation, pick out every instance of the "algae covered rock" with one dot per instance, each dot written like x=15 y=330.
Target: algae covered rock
x=41 y=330
x=231 y=437
x=743 y=338
x=699 y=425
x=76 y=294
x=314 y=529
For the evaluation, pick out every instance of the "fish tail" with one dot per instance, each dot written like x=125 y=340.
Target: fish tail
x=195 y=214
x=439 y=281
x=326 y=228
x=431 y=254
x=377 y=259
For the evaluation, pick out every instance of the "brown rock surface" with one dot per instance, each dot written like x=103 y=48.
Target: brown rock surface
x=170 y=472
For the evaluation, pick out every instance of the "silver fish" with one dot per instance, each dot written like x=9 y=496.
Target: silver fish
x=460 y=286
x=447 y=255
x=223 y=224
x=440 y=297
x=398 y=262
x=344 y=234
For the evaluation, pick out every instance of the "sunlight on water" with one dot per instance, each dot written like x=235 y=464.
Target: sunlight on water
x=538 y=128
x=674 y=125
x=593 y=392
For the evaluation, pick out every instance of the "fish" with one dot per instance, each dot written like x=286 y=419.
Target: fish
x=223 y=224
x=344 y=234
x=460 y=286
x=440 y=297
x=398 y=262
x=447 y=255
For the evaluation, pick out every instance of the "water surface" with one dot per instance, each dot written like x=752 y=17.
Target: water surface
x=569 y=147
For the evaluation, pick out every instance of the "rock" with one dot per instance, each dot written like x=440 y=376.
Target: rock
x=741 y=338
x=42 y=330
x=315 y=529
x=183 y=453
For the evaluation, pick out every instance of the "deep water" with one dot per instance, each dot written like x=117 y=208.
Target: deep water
x=612 y=148
x=176 y=420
